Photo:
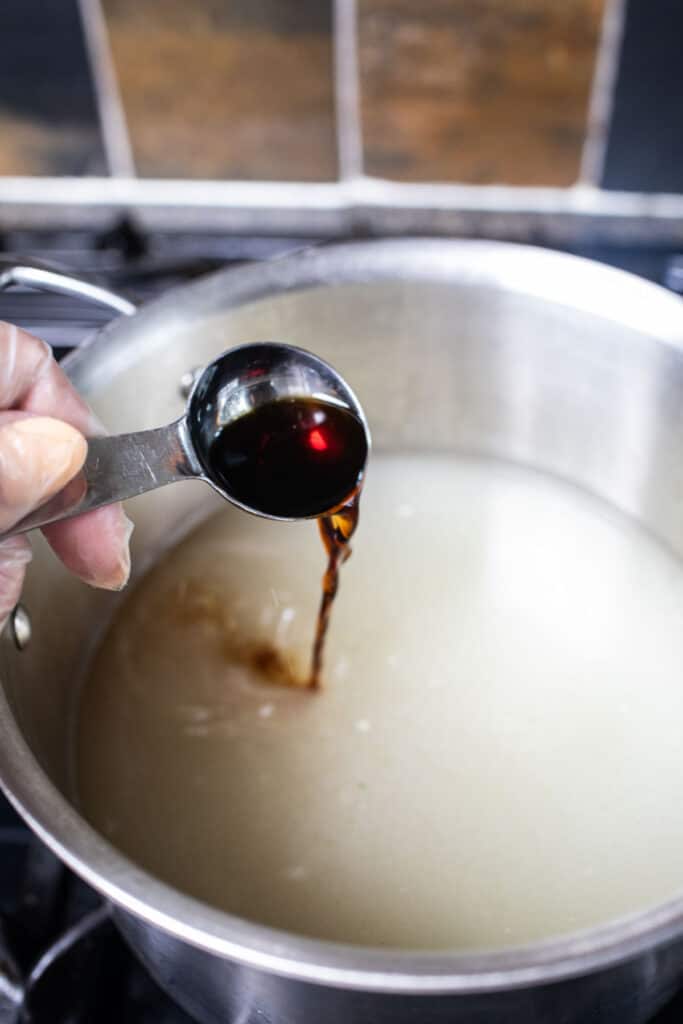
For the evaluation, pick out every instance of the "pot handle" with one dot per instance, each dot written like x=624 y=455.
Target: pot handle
x=11 y=985
x=33 y=274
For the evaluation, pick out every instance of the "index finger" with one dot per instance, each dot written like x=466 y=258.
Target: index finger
x=31 y=379
x=94 y=547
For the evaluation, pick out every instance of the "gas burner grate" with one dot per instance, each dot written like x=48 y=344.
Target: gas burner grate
x=61 y=959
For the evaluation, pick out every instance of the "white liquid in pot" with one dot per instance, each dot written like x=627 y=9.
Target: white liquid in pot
x=496 y=756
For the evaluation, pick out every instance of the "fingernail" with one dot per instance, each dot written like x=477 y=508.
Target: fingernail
x=38 y=456
x=128 y=527
x=122 y=574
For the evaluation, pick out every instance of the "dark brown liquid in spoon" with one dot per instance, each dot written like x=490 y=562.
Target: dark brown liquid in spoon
x=298 y=457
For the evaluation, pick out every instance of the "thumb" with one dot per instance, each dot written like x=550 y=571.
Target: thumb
x=38 y=456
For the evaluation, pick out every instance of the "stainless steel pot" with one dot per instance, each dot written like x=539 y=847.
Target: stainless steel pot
x=528 y=355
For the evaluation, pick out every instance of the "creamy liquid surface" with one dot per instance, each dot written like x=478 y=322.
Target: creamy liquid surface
x=495 y=757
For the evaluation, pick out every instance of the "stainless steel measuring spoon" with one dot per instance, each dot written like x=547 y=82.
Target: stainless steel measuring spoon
x=236 y=383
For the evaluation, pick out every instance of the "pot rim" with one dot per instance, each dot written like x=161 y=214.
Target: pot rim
x=556 y=277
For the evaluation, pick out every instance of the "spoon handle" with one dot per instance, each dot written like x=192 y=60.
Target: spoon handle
x=117 y=468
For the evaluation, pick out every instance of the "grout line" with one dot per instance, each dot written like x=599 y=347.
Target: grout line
x=347 y=90
x=113 y=124
x=603 y=90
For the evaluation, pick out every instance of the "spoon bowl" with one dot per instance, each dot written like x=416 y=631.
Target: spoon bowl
x=249 y=378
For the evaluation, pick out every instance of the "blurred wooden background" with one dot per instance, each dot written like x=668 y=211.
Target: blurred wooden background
x=469 y=91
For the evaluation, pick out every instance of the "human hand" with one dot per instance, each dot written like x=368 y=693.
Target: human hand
x=43 y=421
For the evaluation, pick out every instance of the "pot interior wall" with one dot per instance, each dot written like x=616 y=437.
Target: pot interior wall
x=438 y=365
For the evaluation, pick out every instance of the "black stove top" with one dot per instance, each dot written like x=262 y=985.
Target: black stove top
x=57 y=941
x=61 y=959
x=141 y=265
